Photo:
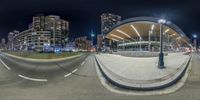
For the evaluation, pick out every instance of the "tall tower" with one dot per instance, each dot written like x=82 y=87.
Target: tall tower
x=108 y=20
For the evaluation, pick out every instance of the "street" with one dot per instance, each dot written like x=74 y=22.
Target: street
x=82 y=84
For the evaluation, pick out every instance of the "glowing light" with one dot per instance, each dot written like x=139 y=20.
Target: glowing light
x=117 y=36
x=194 y=36
x=152 y=27
x=167 y=30
x=136 y=31
x=123 y=33
x=161 y=21
x=114 y=39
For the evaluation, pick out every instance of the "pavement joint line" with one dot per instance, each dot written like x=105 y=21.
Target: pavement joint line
x=68 y=74
x=5 y=65
x=74 y=70
x=32 y=79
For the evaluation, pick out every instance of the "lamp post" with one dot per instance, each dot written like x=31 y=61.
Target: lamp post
x=161 y=55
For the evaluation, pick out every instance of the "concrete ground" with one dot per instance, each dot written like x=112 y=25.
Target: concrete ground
x=136 y=68
x=84 y=85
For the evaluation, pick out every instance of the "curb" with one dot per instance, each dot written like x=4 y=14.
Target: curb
x=41 y=60
x=139 y=88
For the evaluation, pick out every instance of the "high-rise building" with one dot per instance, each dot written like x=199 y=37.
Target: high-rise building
x=59 y=28
x=12 y=40
x=108 y=20
x=44 y=32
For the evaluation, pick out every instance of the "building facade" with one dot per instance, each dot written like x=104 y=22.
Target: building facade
x=82 y=43
x=43 y=33
x=3 y=43
x=11 y=39
x=100 y=42
x=58 y=28
x=108 y=20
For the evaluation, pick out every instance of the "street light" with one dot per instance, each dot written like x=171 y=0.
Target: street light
x=161 y=55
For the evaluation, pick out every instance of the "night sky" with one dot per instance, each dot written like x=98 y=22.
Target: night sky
x=84 y=15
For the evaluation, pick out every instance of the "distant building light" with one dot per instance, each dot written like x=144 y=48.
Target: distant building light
x=167 y=30
x=152 y=27
x=92 y=35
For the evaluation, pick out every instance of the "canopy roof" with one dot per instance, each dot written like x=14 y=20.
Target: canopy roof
x=140 y=27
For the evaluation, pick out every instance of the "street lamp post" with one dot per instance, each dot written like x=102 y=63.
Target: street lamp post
x=161 y=55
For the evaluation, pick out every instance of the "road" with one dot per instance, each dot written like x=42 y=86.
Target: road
x=83 y=84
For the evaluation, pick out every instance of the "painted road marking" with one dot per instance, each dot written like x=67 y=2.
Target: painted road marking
x=71 y=73
x=74 y=70
x=68 y=75
x=82 y=63
x=32 y=79
x=5 y=64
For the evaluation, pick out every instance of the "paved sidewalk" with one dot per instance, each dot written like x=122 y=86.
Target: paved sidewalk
x=143 y=70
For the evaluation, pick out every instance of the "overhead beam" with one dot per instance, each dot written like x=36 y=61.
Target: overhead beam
x=117 y=36
x=120 y=31
x=167 y=30
x=138 y=34
x=114 y=39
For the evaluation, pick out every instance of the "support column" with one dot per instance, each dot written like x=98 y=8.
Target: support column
x=149 y=46
x=140 y=45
